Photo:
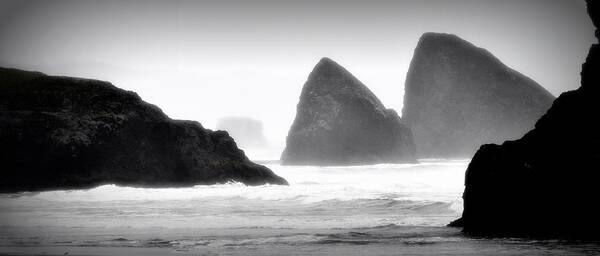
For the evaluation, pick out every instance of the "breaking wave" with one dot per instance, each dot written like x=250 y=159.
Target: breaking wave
x=323 y=205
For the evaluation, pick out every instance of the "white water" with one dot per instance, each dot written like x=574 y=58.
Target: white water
x=334 y=209
x=334 y=197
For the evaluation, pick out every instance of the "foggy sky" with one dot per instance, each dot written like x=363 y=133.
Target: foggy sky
x=209 y=59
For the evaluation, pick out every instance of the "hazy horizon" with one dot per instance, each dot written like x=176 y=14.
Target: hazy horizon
x=207 y=60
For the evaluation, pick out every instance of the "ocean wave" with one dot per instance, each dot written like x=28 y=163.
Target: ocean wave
x=388 y=205
x=427 y=194
x=305 y=192
x=433 y=181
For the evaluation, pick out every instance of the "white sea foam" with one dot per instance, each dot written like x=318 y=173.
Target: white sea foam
x=427 y=181
x=385 y=209
x=318 y=198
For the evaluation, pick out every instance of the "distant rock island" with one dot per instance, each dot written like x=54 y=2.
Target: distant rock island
x=339 y=121
x=67 y=133
x=546 y=183
x=247 y=132
x=458 y=97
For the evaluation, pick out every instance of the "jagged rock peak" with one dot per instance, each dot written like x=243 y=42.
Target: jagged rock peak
x=459 y=96
x=444 y=39
x=339 y=121
x=329 y=77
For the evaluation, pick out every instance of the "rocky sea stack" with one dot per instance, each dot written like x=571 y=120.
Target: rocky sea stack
x=546 y=183
x=459 y=96
x=63 y=133
x=247 y=132
x=339 y=121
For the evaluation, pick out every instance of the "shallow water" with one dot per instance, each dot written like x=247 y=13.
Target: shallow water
x=380 y=209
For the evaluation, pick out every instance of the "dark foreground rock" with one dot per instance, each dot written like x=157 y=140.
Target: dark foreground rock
x=546 y=183
x=339 y=121
x=459 y=96
x=62 y=133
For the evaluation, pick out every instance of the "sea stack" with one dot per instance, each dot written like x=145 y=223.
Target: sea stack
x=247 y=132
x=339 y=121
x=546 y=183
x=68 y=133
x=459 y=96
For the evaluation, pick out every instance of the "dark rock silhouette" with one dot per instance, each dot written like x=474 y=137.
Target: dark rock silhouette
x=63 y=133
x=458 y=97
x=247 y=132
x=546 y=183
x=339 y=121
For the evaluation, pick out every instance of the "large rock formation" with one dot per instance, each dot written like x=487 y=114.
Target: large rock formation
x=546 y=183
x=61 y=133
x=247 y=132
x=458 y=97
x=339 y=121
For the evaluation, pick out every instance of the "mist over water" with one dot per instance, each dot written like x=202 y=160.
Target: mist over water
x=209 y=60
x=203 y=60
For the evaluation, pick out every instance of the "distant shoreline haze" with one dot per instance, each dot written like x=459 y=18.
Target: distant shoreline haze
x=210 y=59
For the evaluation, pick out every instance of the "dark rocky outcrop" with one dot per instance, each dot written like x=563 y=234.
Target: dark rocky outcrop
x=458 y=97
x=339 y=121
x=62 y=133
x=247 y=132
x=546 y=183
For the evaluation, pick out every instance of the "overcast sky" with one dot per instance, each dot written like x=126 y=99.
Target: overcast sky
x=207 y=59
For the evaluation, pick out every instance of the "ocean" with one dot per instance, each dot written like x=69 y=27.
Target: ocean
x=386 y=209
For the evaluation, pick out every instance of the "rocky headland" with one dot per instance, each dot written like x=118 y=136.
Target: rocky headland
x=68 y=133
x=545 y=183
